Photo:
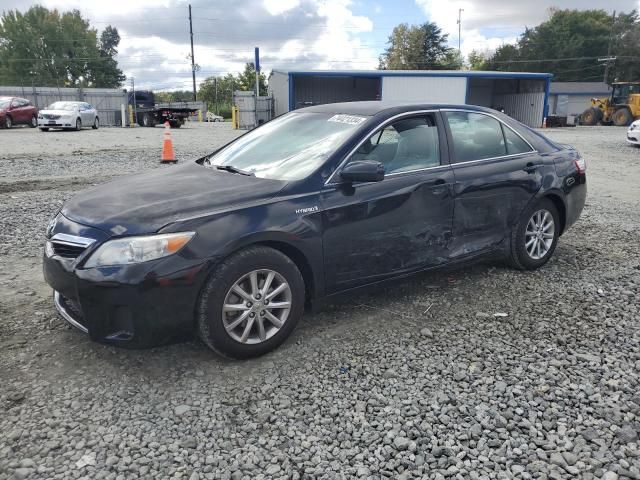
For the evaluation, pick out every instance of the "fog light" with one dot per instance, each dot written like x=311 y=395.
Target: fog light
x=48 y=249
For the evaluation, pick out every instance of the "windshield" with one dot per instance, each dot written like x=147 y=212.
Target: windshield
x=62 y=106
x=289 y=147
x=4 y=102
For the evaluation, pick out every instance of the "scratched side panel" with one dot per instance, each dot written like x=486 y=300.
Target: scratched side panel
x=376 y=231
x=489 y=197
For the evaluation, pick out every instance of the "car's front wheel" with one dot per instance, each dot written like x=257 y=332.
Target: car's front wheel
x=534 y=239
x=78 y=124
x=34 y=122
x=251 y=303
x=96 y=124
x=8 y=122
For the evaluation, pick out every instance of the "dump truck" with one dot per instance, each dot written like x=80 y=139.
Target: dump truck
x=149 y=114
x=621 y=108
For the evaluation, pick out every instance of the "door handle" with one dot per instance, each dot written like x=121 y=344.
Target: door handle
x=531 y=167
x=439 y=187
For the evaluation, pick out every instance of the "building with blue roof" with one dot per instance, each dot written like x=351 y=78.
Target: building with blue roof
x=521 y=95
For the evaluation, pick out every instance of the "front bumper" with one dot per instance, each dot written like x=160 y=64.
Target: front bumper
x=134 y=306
x=55 y=124
x=633 y=137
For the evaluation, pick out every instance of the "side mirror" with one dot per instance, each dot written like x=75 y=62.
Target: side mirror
x=363 y=171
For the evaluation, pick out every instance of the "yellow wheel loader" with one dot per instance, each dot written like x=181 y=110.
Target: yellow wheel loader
x=622 y=108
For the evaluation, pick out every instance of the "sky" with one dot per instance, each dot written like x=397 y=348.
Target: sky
x=292 y=34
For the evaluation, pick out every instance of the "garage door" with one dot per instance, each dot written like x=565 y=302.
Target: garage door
x=424 y=89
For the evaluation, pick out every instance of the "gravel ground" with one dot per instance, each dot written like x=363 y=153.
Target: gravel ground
x=475 y=373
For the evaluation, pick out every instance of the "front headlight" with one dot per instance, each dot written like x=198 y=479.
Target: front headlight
x=124 y=251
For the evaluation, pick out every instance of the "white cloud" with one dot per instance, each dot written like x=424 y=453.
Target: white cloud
x=445 y=14
x=278 y=7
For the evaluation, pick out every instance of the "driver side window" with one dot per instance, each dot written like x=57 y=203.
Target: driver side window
x=406 y=145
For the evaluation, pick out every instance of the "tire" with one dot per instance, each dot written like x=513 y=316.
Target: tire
x=8 y=122
x=96 y=123
x=521 y=256
x=237 y=269
x=34 y=122
x=622 y=117
x=44 y=129
x=148 y=120
x=175 y=124
x=78 y=124
x=591 y=116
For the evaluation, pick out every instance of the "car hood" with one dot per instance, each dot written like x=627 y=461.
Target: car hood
x=57 y=112
x=146 y=202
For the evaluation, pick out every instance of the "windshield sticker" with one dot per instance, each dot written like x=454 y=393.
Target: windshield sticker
x=350 y=119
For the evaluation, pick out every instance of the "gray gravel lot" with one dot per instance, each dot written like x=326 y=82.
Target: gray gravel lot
x=418 y=380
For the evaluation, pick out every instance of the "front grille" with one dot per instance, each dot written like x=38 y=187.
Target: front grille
x=70 y=310
x=50 y=116
x=66 y=250
x=67 y=246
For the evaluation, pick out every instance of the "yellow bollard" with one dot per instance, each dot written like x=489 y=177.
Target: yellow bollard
x=200 y=115
x=131 y=122
x=234 y=117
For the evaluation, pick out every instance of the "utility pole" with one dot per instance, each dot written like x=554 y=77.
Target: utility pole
x=215 y=83
x=460 y=10
x=133 y=92
x=606 y=67
x=193 y=60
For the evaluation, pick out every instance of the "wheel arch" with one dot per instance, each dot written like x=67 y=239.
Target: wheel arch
x=301 y=261
x=310 y=268
x=558 y=202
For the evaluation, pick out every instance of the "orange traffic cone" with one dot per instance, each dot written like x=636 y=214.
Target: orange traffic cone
x=167 y=146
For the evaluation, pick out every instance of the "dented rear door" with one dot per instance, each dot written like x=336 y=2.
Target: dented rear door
x=497 y=173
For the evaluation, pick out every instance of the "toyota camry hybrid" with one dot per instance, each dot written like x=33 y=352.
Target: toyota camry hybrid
x=316 y=202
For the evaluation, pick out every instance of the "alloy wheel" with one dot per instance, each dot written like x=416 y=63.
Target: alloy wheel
x=257 y=306
x=539 y=234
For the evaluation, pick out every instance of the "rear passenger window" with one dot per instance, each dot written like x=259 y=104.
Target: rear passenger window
x=475 y=136
x=515 y=144
x=405 y=145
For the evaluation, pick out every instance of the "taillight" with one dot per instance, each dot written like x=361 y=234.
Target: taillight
x=581 y=166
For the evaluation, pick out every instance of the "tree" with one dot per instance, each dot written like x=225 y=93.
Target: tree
x=418 y=47
x=218 y=91
x=477 y=60
x=247 y=80
x=569 y=44
x=49 y=48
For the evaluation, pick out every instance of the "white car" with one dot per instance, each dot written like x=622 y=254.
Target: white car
x=633 y=134
x=212 y=117
x=68 y=115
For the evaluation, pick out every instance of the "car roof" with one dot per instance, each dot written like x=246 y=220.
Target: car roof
x=375 y=107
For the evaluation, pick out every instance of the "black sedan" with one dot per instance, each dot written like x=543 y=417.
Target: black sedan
x=314 y=203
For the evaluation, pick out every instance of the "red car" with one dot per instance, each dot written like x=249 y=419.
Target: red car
x=15 y=110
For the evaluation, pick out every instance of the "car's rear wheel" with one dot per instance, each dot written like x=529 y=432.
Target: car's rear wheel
x=34 y=122
x=78 y=124
x=534 y=239
x=96 y=124
x=8 y=122
x=251 y=303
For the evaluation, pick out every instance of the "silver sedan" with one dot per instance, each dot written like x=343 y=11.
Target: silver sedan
x=68 y=115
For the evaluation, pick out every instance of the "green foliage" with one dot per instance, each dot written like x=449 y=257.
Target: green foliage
x=477 y=60
x=225 y=86
x=418 y=47
x=175 y=96
x=569 y=44
x=49 y=48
